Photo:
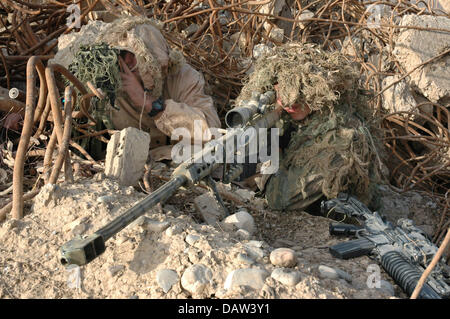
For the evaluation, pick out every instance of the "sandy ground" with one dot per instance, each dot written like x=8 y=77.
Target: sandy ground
x=30 y=261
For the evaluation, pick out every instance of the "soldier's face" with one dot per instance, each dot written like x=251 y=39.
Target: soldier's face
x=298 y=112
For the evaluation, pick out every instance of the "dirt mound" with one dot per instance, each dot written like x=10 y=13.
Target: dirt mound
x=168 y=254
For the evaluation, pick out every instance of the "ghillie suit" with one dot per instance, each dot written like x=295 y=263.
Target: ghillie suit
x=333 y=149
x=163 y=72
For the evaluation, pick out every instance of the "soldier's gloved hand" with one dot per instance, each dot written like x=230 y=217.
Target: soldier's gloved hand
x=131 y=84
x=297 y=111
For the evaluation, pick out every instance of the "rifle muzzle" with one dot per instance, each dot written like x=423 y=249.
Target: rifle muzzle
x=80 y=251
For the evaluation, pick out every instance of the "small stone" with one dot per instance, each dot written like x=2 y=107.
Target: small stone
x=287 y=277
x=191 y=239
x=174 y=230
x=12 y=223
x=398 y=97
x=240 y=220
x=255 y=243
x=105 y=199
x=166 y=278
x=79 y=229
x=283 y=257
x=208 y=208
x=245 y=194
x=196 y=280
x=244 y=259
x=334 y=273
x=114 y=270
x=243 y=234
x=156 y=226
x=276 y=35
x=49 y=195
x=306 y=14
x=254 y=252
x=260 y=49
x=252 y=277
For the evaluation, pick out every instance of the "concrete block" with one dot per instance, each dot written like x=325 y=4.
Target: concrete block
x=126 y=155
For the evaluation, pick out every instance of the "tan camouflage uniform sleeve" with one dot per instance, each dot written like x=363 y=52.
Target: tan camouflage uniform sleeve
x=187 y=103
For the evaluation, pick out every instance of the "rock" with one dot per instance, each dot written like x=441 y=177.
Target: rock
x=398 y=97
x=283 y=257
x=245 y=194
x=273 y=7
x=126 y=155
x=105 y=199
x=208 y=208
x=166 y=278
x=254 y=252
x=114 y=270
x=252 y=277
x=244 y=259
x=334 y=273
x=191 y=239
x=306 y=14
x=71 y=226
x=260 y=49
x=255 y=243
x=276 y=35
x=12 y=224
x=241 y=220
x=349 y=49
x=79 y=229
x=196 y=280
x=287 y=277
x=174 y=230
x=413 y=47
x=48 y=196
x=243 y=234
x=156 y=226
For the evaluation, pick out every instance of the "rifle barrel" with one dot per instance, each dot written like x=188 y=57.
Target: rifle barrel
x=158 y=196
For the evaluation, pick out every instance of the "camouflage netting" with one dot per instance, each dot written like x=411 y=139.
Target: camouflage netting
x=98 y=64
x=337 y=135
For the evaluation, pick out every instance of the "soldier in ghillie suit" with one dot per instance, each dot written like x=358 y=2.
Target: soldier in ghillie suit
x=327 y=144
x=148 y=85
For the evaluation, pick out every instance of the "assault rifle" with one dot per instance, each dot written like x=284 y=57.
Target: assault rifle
x=255 y=113
x=404 y=250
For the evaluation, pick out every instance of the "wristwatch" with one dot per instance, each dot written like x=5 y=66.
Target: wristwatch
x=157 y=107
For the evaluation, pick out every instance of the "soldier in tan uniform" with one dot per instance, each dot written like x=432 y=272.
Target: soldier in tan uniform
x=159 y=90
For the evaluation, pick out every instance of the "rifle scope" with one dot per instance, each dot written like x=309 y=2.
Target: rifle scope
x=240 y=115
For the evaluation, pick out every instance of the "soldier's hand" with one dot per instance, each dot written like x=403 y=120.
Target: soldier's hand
x=131 y=84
